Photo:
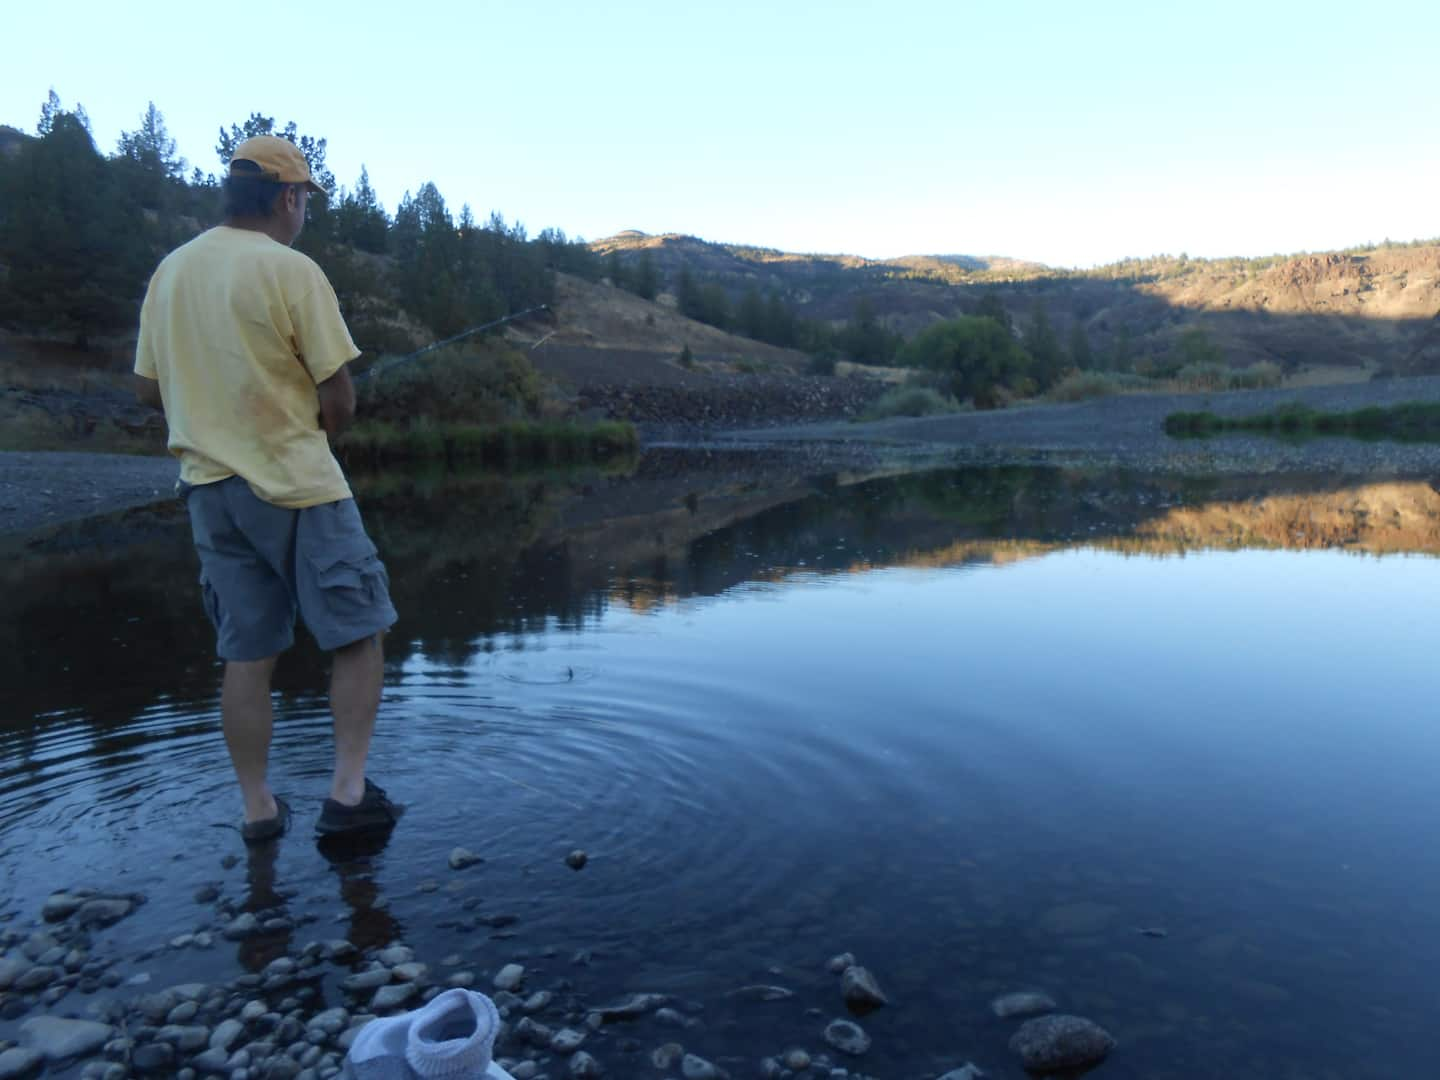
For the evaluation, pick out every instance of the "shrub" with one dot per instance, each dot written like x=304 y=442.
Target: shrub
x=1084 y=385
x=911 y=401
x=484 y=383
x=822 y=363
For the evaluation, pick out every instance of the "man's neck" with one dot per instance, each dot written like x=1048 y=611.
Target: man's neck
x=270 y=226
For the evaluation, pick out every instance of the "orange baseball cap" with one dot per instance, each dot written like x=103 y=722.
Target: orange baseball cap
x=279 y=159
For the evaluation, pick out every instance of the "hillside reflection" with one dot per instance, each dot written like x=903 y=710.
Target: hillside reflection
x=478 y=561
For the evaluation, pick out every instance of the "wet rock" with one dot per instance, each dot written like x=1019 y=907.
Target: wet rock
x=860 y=990
x=1051 y=1043
x=965 y=1072
x=213 y=1060
x=674 y=1018
x=186 y=1038
x=583 y=1065
x=242 y=926
x=227 y=1032
x=104 y=911
x=461 y=857
x=11 y=968
x=362 y=981
x=331 y=1021
x=182 y=1013
x=58 y=1038
x=636 y=1005
x=665 y=1057
x=847 y=1037
x=796 y=1060
x=577 y=859
x=567 y=1041
x=1024 y=1003
x=693 y=1067
x=207 y=894
x=38 y=944
x=395 y=954
x=153 y=1058
x=838 y=964
x=61 y=905
x=413 y=971
x=253 y=1010
x=524 y=1070
x=535 y=1002
x=463 y=979
x=18 y=1062
x=36 y=978
x=534 y=1033
x=760 y=992
x=510 y=977
x=392 y=997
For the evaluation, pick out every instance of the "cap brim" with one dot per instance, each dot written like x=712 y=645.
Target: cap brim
x=315 y=189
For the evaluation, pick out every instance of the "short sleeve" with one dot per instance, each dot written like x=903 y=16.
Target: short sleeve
x=322 y=340
x=145 y=345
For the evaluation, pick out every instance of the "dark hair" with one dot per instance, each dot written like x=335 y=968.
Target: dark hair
x=249 y=196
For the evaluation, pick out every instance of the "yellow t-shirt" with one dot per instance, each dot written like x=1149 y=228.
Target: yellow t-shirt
x=239 y=329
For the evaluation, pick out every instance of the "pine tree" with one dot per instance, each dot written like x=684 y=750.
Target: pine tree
x=647 y=278
x=1081 y=355
x=1044 y=347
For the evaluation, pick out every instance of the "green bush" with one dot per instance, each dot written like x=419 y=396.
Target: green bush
x=1084 y=385
x=475 y=383
x=911 y=401
x=974 y=357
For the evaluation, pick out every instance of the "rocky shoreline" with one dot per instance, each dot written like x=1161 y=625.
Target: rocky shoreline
x=283 y=1022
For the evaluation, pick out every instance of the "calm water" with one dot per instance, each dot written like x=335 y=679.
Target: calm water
x=976 y=727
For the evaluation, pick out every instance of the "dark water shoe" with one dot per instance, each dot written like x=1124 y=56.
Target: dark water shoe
x=374 y=813
x=257 y=832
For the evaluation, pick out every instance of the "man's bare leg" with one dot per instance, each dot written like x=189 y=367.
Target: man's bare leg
x=356 y=680
x=248 y=720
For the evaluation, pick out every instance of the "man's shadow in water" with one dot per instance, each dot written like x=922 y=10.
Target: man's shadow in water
x=354 y=860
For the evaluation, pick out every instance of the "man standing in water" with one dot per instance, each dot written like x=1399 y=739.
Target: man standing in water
x=243 y=346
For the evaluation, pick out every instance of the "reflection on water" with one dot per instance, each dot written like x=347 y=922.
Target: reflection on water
x=949 y=721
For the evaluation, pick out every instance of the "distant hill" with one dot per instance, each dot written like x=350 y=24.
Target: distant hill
x=1374 y=308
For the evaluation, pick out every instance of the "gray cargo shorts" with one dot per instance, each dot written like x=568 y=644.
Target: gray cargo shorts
x=260 y=563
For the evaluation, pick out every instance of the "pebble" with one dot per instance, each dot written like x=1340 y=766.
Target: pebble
x=635 y=1005
x=365 y=980
x=242 y=926
x=577 y=859
x=392 y=997
x=567 y=1041
x=461 y=857
x=664 y=1057
x=838 y=964
x=1024 y=1003
x=796 y=1060
x=693 y=1067
x=395 y=954
x=413 y=971
x=1051 y=1043
x=510 y=977
x=761 y=992
x=847 y=1037
x=965 y=1072
x=583 y=1065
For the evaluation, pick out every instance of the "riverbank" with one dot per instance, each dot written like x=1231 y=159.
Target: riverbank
x=1128 y=431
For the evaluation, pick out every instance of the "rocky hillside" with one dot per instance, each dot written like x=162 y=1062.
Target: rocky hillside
x=1370 y=309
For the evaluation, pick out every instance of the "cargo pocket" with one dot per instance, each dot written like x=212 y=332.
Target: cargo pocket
x=350 y=579
x=211 y=601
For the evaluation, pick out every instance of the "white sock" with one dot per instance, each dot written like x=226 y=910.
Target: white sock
x=448 y=1039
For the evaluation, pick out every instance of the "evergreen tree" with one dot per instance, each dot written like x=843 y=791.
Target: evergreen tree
x=1081 y=355
x=151 y=148
x=750 y=319
x=864 y=340
x=991 y=307
x=691 y=303
x=779 y=327
x=614 y=271
x=360 y=219
x=647 y=277
x=1043 y=345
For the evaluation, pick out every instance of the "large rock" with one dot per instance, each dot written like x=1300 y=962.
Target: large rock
x=1051 y=1043
x=510 y=977
x=59 y=1038
x=636 y=1005
x=862 y=993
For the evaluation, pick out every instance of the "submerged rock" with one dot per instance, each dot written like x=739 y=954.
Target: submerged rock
x=634 y=1006
x=862 y=993
x=965 y=1072
x=510 y=977
x=577 y=859
x=19 y=1061
x=1050 y=1043
x=847 y=1036
x=761 y=992
x=1023 y=1003
x=59 y=1038
x=461 y=857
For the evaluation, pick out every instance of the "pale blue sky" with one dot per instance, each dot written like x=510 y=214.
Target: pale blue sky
x=1071 y=133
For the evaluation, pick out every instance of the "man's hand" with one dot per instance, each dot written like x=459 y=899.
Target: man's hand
x=337 y=402
x=147 y=391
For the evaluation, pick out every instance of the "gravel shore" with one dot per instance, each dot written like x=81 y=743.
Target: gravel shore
x=1127 y=431
x=43 y=489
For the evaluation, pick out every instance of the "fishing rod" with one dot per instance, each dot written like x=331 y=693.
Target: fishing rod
x=385 y=365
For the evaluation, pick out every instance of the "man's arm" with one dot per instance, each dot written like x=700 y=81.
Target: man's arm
x=337 y=402
x=147 y=391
